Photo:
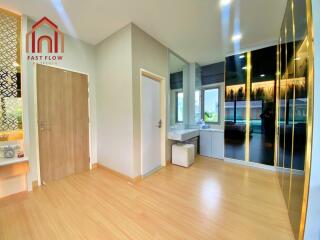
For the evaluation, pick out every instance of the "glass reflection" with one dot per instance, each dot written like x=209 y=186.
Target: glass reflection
x=300 y=64
x=289 y=95
x=235 y=107
x=177 y=97
x=262 y=107
x=282 y=100
x=293 y=65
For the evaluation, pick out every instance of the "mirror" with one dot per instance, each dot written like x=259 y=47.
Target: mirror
x=197 y=95
x=178 y=75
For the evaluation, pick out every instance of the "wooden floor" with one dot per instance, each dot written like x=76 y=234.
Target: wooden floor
x=210 y=200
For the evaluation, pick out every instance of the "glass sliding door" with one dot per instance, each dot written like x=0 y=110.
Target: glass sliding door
x=235 y=106
x=262 y=106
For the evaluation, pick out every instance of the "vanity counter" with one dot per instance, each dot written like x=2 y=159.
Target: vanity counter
x=183 y=134
x=213 y=130
x=9 y=161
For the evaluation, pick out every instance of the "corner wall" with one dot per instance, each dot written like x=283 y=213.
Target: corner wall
x=114 y=102
x=151 y=55
x=113 y=67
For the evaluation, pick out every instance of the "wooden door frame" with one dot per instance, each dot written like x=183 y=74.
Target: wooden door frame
x=163 y=114
x=35 y=101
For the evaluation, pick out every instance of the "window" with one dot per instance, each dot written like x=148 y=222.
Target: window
x=211 y=105
x=179 y=107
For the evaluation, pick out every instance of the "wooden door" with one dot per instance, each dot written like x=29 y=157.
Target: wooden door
x=63 y=122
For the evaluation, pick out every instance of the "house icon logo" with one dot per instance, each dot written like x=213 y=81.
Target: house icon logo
x=54 y=43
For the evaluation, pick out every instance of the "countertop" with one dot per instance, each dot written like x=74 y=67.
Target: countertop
x=9 y=161
x=213 y=130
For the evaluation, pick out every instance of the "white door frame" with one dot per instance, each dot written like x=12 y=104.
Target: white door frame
x=35 y=101
x=162 y=80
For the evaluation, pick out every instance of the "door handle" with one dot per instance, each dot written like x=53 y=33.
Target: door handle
x=44 y=126
x=159 y=124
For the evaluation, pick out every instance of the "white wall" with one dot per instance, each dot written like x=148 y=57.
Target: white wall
x=312 y=229
x=114 y=102
x=186 y=94
x=194 y=84
x=152 y=56
x=113 y=67
x=78 y=56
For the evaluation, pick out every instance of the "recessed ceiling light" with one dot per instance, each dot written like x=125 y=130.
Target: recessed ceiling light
x=224 y=3
x=262 y=75
x=241 y=56
x=236 y=37
x=297 y=59
x=244 y=68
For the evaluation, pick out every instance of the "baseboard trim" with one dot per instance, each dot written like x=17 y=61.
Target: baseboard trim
x=288 y=171
x=125 y=177
x=152 y=172
x=265 y=167
x=250 y=164
x=94 y=166
x=35 y=184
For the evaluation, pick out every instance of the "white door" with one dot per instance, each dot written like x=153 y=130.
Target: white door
x=150 y=126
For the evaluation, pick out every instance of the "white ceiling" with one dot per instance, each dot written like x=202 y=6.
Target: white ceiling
x=194 y=29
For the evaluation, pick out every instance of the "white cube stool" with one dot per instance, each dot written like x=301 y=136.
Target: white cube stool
x=182 y=154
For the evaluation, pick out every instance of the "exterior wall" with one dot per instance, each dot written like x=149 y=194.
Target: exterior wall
x=114 y=102
x=152 y=56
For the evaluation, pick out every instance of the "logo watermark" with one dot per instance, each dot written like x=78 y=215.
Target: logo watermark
x=46 y=47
